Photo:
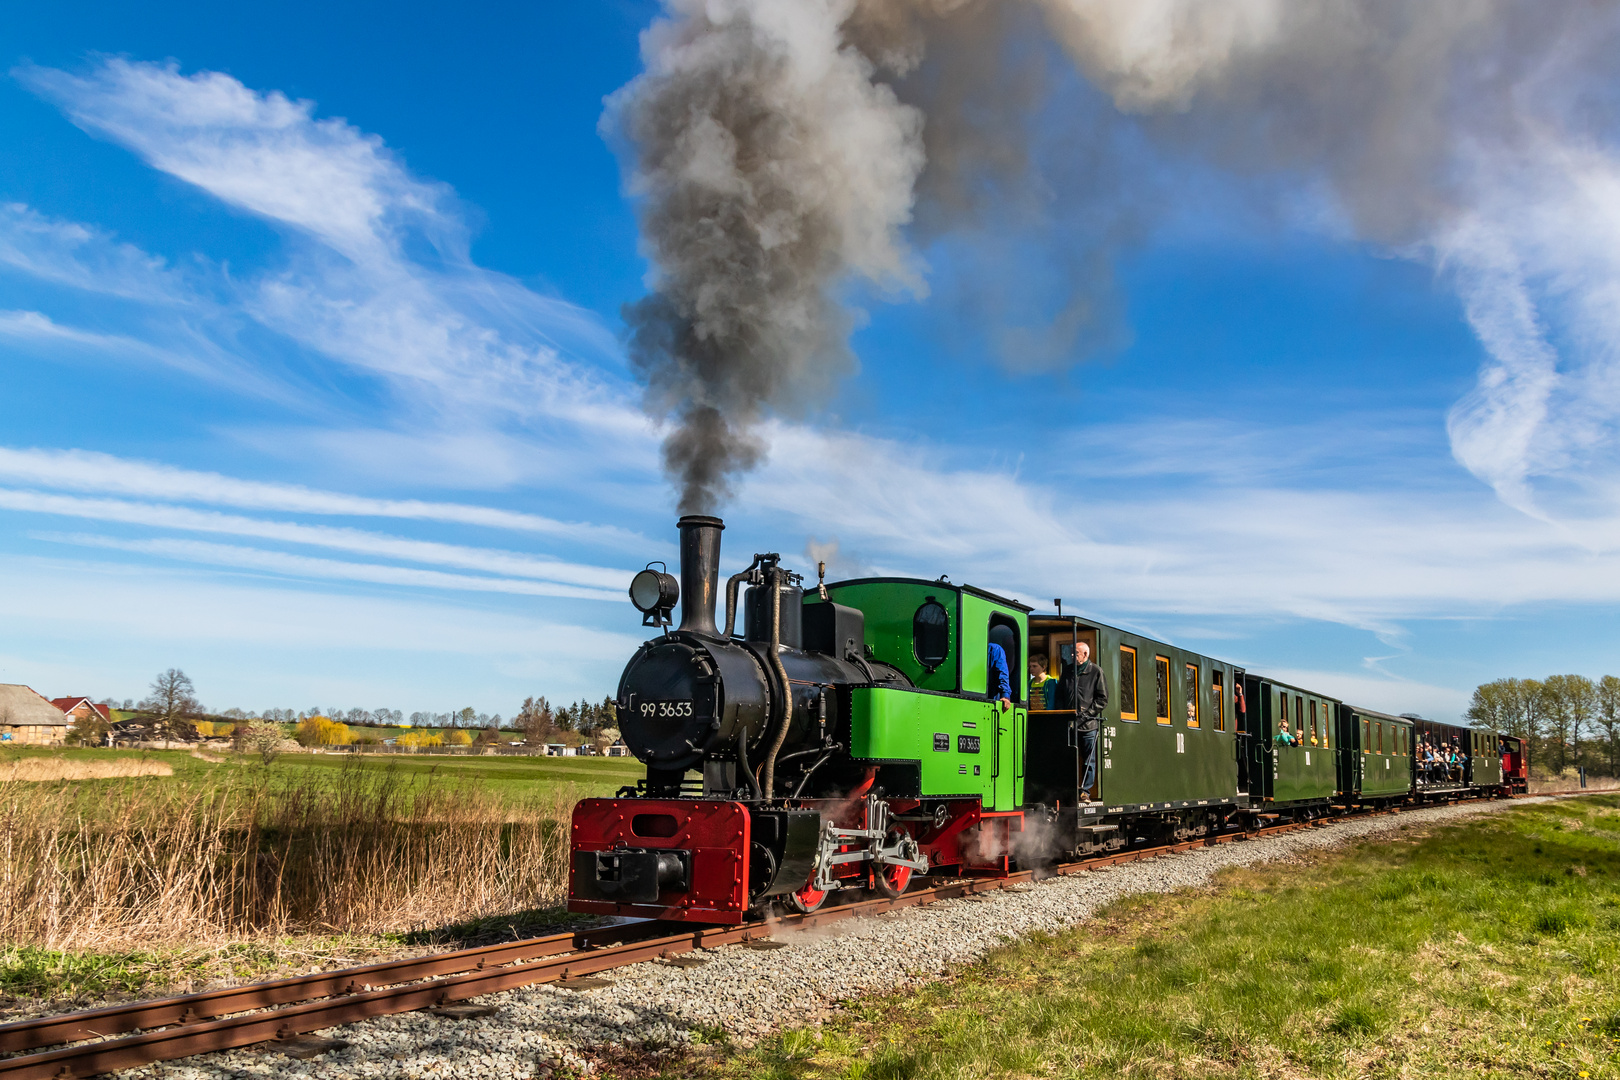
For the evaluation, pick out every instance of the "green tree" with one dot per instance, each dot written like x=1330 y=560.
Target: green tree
x=1571 y=704
x=537 y=722
x=89 y=730
x=1516 y=707
x=1608 y=718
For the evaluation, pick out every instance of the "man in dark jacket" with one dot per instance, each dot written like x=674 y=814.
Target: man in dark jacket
x=1085 y=690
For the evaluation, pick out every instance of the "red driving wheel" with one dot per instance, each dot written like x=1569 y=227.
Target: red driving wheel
x=807 y=899
x=891 y=881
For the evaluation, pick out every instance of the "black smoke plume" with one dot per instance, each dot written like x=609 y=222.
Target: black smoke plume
x=777 y=150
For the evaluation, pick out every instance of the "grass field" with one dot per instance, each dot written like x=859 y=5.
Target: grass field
x=512 y=777
x=1486 y=949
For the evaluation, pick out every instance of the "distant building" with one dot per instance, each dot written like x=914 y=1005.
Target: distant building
x=28 y=719
x=77 y=708
x=618 y=749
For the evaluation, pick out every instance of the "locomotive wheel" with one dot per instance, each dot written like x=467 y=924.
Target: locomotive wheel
x=891 y=881
x=807 y=899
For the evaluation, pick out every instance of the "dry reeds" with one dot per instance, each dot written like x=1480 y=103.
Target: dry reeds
x=37 y=769
x=355 y=851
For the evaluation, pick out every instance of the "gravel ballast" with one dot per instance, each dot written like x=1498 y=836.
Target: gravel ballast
x=748 y=993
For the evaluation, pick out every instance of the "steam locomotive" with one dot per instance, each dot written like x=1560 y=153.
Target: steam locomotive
x=848 y=740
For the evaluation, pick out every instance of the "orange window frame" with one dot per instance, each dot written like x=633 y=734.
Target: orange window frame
x=1217 y=697
x=1127 y=683
x=1161 y=690
x=1195 y=714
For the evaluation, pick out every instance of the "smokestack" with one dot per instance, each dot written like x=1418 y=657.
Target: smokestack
x=700 y=572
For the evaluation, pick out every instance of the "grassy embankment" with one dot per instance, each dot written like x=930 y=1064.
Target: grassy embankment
x=228 y=869
x=1487 y=949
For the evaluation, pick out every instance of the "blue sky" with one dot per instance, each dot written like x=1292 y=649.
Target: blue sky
x=315 y=386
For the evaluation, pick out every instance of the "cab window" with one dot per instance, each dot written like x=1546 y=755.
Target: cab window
x=931 y=634
x=1004 y=632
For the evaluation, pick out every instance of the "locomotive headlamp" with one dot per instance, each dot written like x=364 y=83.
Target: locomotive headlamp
x=654 y=592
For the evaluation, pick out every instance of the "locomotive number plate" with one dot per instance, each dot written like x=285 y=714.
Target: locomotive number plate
x=661 y=709
x=967 y=744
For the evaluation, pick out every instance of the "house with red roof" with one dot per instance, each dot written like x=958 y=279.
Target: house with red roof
x=76 y=708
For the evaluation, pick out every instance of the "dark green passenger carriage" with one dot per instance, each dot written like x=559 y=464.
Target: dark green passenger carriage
x=1303 y=772
x=1374 y=756
x=1167 y=738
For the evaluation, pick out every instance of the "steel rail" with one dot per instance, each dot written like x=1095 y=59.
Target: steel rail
x=241 y=1016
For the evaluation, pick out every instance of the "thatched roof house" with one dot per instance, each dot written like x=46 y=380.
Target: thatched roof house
x=27 y=718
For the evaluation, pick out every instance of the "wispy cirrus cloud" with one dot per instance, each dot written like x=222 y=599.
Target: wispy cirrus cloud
x=205 y=553
x=81 y=470
x=377 y=277
x=262 y=152
x=358 y=541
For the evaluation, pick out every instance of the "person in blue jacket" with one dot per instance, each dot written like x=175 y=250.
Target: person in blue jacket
x=1000 y=679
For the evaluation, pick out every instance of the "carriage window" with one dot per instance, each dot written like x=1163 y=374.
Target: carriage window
x=1161 y=688
x=1366 y=735
x=931 y=634
x=1327 y=725
x=1191 y=681
x=1217 y=699
x=1313 y=723
x=1380 y=726
x=1299 y=716
x=1127 y=683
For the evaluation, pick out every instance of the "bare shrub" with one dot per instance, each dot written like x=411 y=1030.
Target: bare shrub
x=355 y=851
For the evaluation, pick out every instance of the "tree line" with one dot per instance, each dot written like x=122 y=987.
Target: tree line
x=1568 y=721
x=171 y=710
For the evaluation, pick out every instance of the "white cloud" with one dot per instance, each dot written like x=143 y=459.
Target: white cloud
x=68 y=253
x=302 y=566
x=353 y=540
x=456 y=344
x=81 y=470
x=261 y=152
x=1365 y=558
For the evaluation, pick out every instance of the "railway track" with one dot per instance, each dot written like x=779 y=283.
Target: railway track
x=141 y=1033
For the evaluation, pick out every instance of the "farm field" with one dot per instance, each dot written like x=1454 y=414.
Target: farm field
x=1483 y=949
x=512 y=777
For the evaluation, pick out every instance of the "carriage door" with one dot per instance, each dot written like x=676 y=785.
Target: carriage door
x=1261 y=724
x=1003 y=727
x=1238 y=707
